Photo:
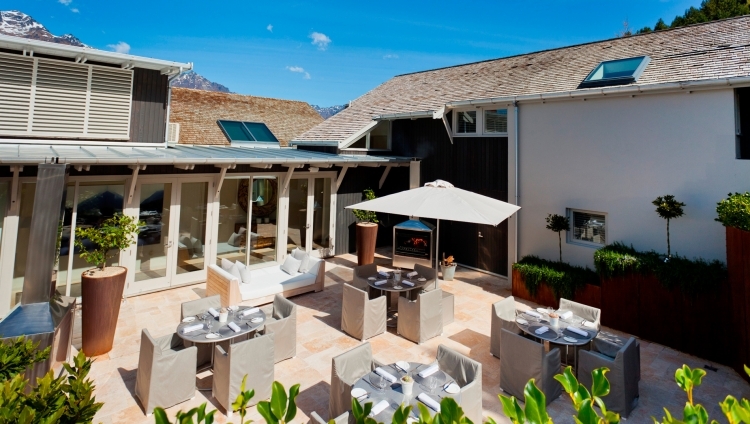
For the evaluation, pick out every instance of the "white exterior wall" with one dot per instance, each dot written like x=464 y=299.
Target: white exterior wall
x=616 y=155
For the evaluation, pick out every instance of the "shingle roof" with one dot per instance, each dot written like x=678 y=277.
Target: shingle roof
x=712 y=50
x=197 y=112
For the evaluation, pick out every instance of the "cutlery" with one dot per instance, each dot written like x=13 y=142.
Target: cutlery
x=445 y=386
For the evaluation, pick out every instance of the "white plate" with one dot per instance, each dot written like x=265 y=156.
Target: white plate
x=358 y=393
x=421 y=279
x=453 y=388
x=542 y=310
x=212 y=336
x=189 y=319
x=403 y=365
x=372 y=278
x=570 y=339
x=522 y=321
x=256 y=320
x=397 y=287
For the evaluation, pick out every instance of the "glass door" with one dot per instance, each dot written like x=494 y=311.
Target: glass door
x=309 y=215
x=190 y=232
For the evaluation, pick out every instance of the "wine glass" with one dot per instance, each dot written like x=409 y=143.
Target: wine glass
x=378 y=381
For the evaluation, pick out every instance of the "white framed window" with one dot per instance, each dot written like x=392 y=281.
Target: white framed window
x=378 y=138
x=587 y=228
x=480 y=122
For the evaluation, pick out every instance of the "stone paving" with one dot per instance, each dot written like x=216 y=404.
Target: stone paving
x=319 y=338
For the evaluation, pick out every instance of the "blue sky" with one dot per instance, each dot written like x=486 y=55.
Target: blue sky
x=328 y=53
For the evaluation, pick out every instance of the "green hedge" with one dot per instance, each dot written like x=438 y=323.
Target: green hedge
x=734 y=211
x=564 y=279
x=693 y=276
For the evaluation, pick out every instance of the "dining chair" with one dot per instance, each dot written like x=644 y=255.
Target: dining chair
x=199 y=307
x=503 y=317
x=166 y=371
x=589 y=313
x=422 y=319
x=522 y=359
x=283 y=323
x=346 y=369
x=361 y=273
x=362 y=317
x=624 y=367
x=433 y=283
x=317 y=419
x=467 y=373
x=253 y=358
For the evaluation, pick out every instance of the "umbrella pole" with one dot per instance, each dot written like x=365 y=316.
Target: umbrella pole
x=437 y=255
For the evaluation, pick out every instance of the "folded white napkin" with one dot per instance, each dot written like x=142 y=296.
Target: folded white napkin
x=408 y=283
x=213 y=312
x=533 y=314
x=589 y=324
x=429 y=402
x=385 y=374
x=566 y=314
x=234 y=327
x=432 y=369
x=578 y=331
x=383 y=273
x=191 y=328
x=412 y=274
x=247 y=312
x=379 y=282
x=543 y=329
x=380 y=407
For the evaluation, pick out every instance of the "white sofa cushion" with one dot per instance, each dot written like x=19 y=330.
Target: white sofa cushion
x=291 y=265
x=272 y=280
x=314 y=265
x=226 y=264
x=244 y=272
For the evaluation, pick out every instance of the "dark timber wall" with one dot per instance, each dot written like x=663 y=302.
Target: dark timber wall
x=149 y=110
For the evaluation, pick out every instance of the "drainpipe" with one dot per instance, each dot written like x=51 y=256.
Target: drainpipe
x=515 y=130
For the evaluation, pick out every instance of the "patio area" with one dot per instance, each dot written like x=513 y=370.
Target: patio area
x=319 y=338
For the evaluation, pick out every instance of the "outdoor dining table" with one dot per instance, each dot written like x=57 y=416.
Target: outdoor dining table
x=393 y=289
x=222 y=330
x=394 y=395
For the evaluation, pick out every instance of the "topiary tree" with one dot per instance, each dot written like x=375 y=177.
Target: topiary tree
x=668 y=208
x=558 y=224
x=734 y=211
x=116 y=233
x=366 y=216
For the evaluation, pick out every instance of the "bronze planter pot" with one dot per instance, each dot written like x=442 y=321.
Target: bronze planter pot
x=101 y=307
x=367 y=236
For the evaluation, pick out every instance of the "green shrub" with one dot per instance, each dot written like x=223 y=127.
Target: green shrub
x=112 y=235
x=366 y=216
x=734 y=211
x=563 y=278
x=18 y=355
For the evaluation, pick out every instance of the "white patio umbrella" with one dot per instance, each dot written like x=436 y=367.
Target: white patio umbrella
x=441 y=200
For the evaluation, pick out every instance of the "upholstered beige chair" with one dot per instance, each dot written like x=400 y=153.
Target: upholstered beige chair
x=434 y=283
x=254 y=358
x=346 y=369
x=422 y=319
x=430 y=274
x=522 y=359
x=467 y=373
x=198 y=307
x=362 y=317
x=283 y=323
x=361 y=273
x=623 y=374
x=503 y=317
x=166 y=372
x=589 y=313
x=317 y=419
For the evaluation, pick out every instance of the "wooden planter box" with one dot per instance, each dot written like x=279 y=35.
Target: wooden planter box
x=589 y=295
x=738 y=265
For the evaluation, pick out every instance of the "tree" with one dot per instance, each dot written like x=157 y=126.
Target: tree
x=668 y=208
x=558 y=224
x=660 y=25
x=366 y=216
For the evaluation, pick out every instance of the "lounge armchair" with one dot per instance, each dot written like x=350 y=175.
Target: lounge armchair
x=254 y=358
x=360 y=275
x=503 y=317
x=433 y=283
x=362 y=317
x=166 y=372
x=522 y=359
x=422 y=319
x=467 y=373
x=346 y=369
x=283 y=323
x=197 y=307
x=623 y=377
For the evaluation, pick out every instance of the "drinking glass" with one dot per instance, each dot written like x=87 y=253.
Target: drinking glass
x=550 y=310
x=378 y=381
x=431 y=383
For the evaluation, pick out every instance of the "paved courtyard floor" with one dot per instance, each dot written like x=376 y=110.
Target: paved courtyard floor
x=319 y=338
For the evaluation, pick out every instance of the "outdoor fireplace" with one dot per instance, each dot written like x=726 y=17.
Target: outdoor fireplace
x=413 y=243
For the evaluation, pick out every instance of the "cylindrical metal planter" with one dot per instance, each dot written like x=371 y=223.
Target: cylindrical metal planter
x=367 y=237
x=101 y=307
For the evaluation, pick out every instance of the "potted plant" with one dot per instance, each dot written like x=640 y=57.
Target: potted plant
x=667 y=207
x=102 y=286
x=367 y=232
x=448 y=267
x=407 y=385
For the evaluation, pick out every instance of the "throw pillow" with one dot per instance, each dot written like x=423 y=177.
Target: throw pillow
x=312 y=267
x=298 y=254
x=235 y=271
x=244 y=272
x=226 y=264
x=305 y=263
x=233 y=240
x=291 y=265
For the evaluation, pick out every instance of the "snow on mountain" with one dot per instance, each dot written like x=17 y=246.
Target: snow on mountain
x=327 y=112
x=191 y=79
x=19 y=24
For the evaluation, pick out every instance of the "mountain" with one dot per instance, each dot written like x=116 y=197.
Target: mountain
x=327 y=112
x=19 y=24
x=191 y=79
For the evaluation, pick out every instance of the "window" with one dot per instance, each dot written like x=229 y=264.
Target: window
x=252 y=132
x=378 y=138
x=587 y=228
x=742 y=122
x=467 y=122
x=616 y=72
x=478 y=122
x=496 y=121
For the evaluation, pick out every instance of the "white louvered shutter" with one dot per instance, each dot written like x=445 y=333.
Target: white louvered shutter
x=16 y=73
x=60 y=97
x=109 y=105
x=173 y=132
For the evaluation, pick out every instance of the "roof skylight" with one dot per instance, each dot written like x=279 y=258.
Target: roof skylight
x=237 y=131
x=616 y=72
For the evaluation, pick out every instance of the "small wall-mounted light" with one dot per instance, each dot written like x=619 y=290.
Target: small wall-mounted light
x=313 y=169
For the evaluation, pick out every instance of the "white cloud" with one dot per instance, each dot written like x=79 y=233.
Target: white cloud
x=121 y=47
x=321 y=40
x=270 y=28
x=300 y=70
x=75 y=10
x=65 y=2
x=390 y=56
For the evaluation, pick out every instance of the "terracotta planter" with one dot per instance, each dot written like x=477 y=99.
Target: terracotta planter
x=367 y=236
x=101 y=307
